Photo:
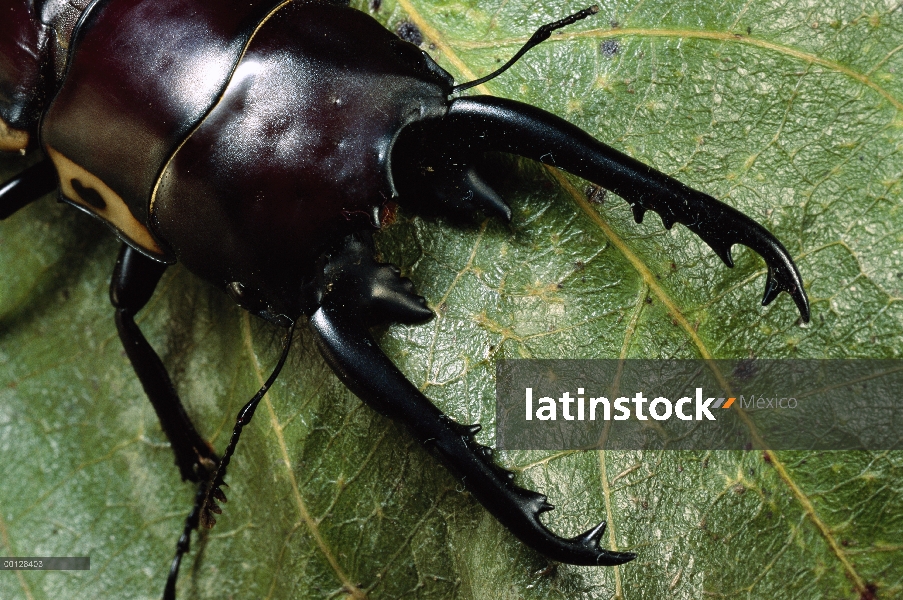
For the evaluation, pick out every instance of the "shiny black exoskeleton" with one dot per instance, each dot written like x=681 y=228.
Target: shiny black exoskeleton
x=258 y=143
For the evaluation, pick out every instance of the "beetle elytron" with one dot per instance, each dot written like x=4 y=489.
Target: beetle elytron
x=258 y=143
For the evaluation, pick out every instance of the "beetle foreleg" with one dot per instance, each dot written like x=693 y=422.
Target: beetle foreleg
x=134 y=280
x=354 y=295
x=26 y=187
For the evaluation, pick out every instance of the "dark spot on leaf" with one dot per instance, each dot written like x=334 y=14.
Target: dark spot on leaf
x=745 y=369
x=610 y=47
x=409 y=33
x=596 y=194
x=747 y=446
x=375 y=4
x=749 y=31
x=870 y=592
x=739 y=488
x=614 y=24
x=89 y=195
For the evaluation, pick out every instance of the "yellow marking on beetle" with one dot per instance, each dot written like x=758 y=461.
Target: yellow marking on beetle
x=89 y=192
x=11 y=139
x=244 y=50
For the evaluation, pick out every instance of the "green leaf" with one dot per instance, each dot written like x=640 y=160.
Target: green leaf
x=789 y=111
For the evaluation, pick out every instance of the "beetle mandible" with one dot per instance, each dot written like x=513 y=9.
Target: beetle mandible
x=259 y=144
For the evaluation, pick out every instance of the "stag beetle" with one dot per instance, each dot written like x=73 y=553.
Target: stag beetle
x=258 y=143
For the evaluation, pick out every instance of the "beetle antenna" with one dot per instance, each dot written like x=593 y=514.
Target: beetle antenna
x=541 y=35
x=214 y=492
x=203 y=504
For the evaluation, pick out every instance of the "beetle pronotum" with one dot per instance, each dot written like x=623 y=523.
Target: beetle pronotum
x=221 y=173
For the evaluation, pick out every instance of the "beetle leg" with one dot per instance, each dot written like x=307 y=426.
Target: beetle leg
x=133 y=283
x=351 y=301
x=134 y=279
x=477 y=124
x=31 y=184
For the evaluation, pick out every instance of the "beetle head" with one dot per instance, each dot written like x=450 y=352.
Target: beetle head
x=296 y=155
